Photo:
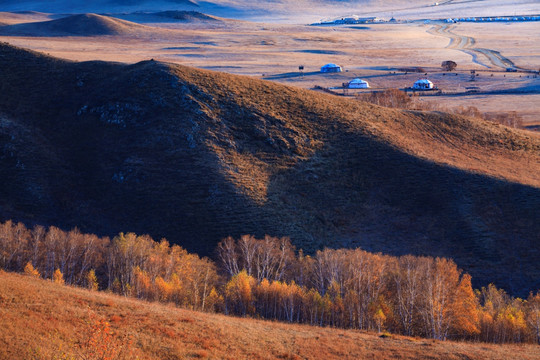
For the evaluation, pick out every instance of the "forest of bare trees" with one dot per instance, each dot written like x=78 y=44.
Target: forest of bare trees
x=268 y=278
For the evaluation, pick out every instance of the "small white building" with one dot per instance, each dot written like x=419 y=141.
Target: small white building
x=331 y=68
x=358 y=84
x=422 y=84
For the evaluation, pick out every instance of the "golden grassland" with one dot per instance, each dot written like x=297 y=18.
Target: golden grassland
x=274 y=52
x=44 y=320
x=498 y=151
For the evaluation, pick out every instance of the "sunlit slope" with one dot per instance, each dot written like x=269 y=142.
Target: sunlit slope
x=41 y=319
x=196 y=156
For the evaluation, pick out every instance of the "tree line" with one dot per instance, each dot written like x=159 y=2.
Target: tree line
x=396 y=98
x=268 y=278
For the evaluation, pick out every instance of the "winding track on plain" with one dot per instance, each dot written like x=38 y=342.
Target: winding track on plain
x=466 y=44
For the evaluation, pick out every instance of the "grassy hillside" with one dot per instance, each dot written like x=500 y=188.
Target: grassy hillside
x=195 y=156
x=41 y=319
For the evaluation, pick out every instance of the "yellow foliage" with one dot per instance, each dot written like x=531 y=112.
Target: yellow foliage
x=58 y=277
x=177 y=289
x=164 y=289
x=214 y=301
x=238 y=291
x=30 y=270
x=142 y=284
x=91 y=280
x=379 y=318
x=466 y=308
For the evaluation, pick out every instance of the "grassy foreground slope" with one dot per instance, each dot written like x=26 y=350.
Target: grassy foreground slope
x=196 y=156
x=41 y=319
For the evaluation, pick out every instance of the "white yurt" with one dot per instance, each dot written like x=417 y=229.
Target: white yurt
x=358 y=84
x=331 y=68
x=423 y=84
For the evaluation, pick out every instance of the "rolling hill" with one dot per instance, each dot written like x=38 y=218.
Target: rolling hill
x=195 y=156
x=171 y=17
x=41 y=319
x=185 y=16
x=10 y=18
x=73 y=25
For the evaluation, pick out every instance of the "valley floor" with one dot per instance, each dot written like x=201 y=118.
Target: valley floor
x=374 y=52
x=43 y=320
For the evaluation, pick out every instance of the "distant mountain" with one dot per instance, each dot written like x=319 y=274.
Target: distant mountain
x=97 y=6
x=74 y=25
x=195 y=156
x=296 y=11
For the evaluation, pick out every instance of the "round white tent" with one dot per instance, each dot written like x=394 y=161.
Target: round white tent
x=423 y=84
x=331 y=68
x=358 y=84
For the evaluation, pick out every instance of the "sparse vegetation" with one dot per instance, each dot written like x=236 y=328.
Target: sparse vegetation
x=510 y=119
x=392 y=98
x=413 y=69
x=92 y=281
x=395 y=98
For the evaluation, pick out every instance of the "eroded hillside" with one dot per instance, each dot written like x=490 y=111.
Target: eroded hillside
x=195 y=156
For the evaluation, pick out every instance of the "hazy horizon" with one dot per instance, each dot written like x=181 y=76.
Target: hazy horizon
x=303 y=11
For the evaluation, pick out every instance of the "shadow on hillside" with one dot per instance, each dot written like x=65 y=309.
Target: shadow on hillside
x=290 y=75
x=361 y=192
x=321 y=52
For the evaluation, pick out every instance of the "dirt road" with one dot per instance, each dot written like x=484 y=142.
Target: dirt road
x=466 y=44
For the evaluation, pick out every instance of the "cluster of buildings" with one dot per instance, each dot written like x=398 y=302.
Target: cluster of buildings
x=353 y=19
x=421 y=84
x=494 y=19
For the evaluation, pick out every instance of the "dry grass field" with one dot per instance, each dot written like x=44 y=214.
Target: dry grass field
x=273 y=51
x=43 y=320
